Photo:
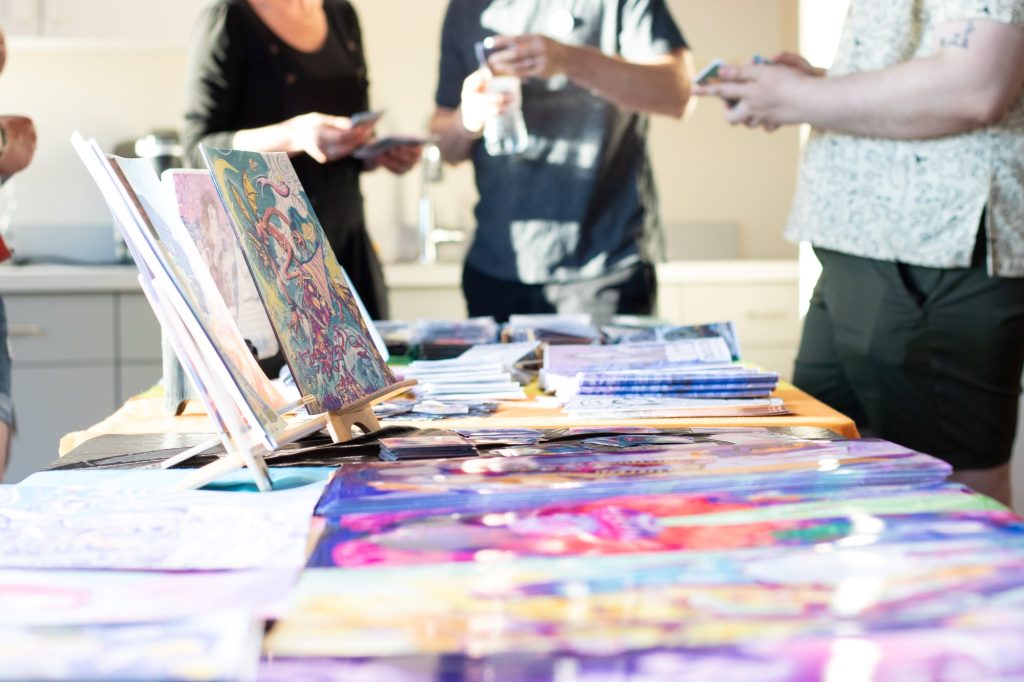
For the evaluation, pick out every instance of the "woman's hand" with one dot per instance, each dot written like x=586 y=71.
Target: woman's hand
x=400 y=159
x=326 y=138
x=20 y=134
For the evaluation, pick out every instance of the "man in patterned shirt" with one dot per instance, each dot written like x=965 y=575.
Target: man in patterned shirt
x=912 y=193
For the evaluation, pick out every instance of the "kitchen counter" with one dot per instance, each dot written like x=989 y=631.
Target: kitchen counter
x=122 y=278
x=68 y=279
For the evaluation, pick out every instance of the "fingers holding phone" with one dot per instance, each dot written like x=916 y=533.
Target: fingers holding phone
x=327 y=138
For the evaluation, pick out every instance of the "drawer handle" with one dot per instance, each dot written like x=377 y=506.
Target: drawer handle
x=26 y=330
x=766 y=314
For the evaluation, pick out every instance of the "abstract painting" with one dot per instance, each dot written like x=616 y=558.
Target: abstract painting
x=322 y=334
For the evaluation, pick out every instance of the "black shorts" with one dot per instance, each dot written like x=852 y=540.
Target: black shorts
x=629 y=291
x=929 y=358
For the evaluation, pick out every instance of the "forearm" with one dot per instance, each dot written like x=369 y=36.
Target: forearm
x=455 y=142
x=277 y=137
x=970 y=81
x=923 y=98
x=658 y=87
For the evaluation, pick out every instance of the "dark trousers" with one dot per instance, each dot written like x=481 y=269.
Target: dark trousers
x=630 y=291
x=929 y=358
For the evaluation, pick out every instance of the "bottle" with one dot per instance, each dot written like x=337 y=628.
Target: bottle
x=506 y=134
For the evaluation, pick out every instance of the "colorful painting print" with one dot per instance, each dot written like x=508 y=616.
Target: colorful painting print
x=103 y=528
x=191 y=277
x=210 y=228
x=483 y=483
x=62 y=598
x=322 y=334
x=215 y=646
x=687 y=600
x=968 y=654
x=661 y=523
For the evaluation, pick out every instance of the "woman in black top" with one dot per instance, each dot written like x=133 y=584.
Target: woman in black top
x=287 y=75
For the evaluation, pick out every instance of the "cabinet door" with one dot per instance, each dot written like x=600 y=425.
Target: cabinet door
x=48 y=403
x=65 y=329
x=149 y=22
x=21 y=17
x=135 y=379
x=764 y=312
x=440 y=303
x=138 y=332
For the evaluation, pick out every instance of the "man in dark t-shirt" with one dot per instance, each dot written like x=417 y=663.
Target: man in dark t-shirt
x=570 y=224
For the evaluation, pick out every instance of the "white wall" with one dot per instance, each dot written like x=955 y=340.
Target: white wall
x=708 y=173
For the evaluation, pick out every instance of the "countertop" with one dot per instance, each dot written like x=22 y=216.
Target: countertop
x=70 y=279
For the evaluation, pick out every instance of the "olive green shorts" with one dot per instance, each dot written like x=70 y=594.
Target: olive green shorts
x=929 y=358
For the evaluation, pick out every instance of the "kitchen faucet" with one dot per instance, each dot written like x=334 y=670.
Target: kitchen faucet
x=429 y=234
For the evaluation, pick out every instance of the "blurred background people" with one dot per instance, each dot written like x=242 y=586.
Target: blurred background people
x=288 y=75
x=568 y=223
x=17 y=145
x=911 y=191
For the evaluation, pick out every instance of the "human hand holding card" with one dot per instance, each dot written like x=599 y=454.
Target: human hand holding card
x=374 y=149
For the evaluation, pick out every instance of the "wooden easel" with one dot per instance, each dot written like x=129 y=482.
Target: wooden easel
x=360 y=413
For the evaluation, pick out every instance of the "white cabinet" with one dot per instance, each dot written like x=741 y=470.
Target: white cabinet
x=136 y=22
x=21 y=17
x=76 y=358
x=431 y=292
x=760 y=297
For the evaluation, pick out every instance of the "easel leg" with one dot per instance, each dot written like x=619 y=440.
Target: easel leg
x=340 y=423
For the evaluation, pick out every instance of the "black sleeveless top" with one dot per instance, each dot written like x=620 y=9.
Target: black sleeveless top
x=242 y=76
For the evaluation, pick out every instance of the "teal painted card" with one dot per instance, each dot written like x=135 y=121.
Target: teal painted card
x=322 y=334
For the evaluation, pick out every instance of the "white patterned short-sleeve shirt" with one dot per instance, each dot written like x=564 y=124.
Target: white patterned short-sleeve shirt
x=914 y=201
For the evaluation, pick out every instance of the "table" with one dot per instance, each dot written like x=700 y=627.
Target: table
x=144 y=414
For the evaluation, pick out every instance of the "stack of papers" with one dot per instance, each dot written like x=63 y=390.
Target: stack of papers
x=693 y=377
x=481 y=373
x=560 y=472
x=624 y=329
x=499 y=436
x=639 y=407
x=425 y=447
x=440 y=339
x=192 y=313
x=728 y=382
x=552 y=329
x=562 y=364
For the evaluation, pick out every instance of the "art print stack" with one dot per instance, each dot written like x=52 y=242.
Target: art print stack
x=794 y=551
x=315 y=315
x=236 y=393
x=524 y=476
x=687 y=377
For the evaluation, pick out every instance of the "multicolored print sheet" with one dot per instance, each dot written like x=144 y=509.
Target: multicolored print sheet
x=322 y=334
x=573 y=472
x=662 y=523
x=775 y=598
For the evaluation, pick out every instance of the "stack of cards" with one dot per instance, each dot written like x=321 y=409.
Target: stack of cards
x=509 y=436
x=735 y=381
x=562 y=364
x=440 y=339
x=552 y=329
x=425 y=447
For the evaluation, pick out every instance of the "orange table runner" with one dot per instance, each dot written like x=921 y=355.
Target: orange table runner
x=144 y=414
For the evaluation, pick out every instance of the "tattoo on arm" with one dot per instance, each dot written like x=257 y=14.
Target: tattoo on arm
x=961 y=39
